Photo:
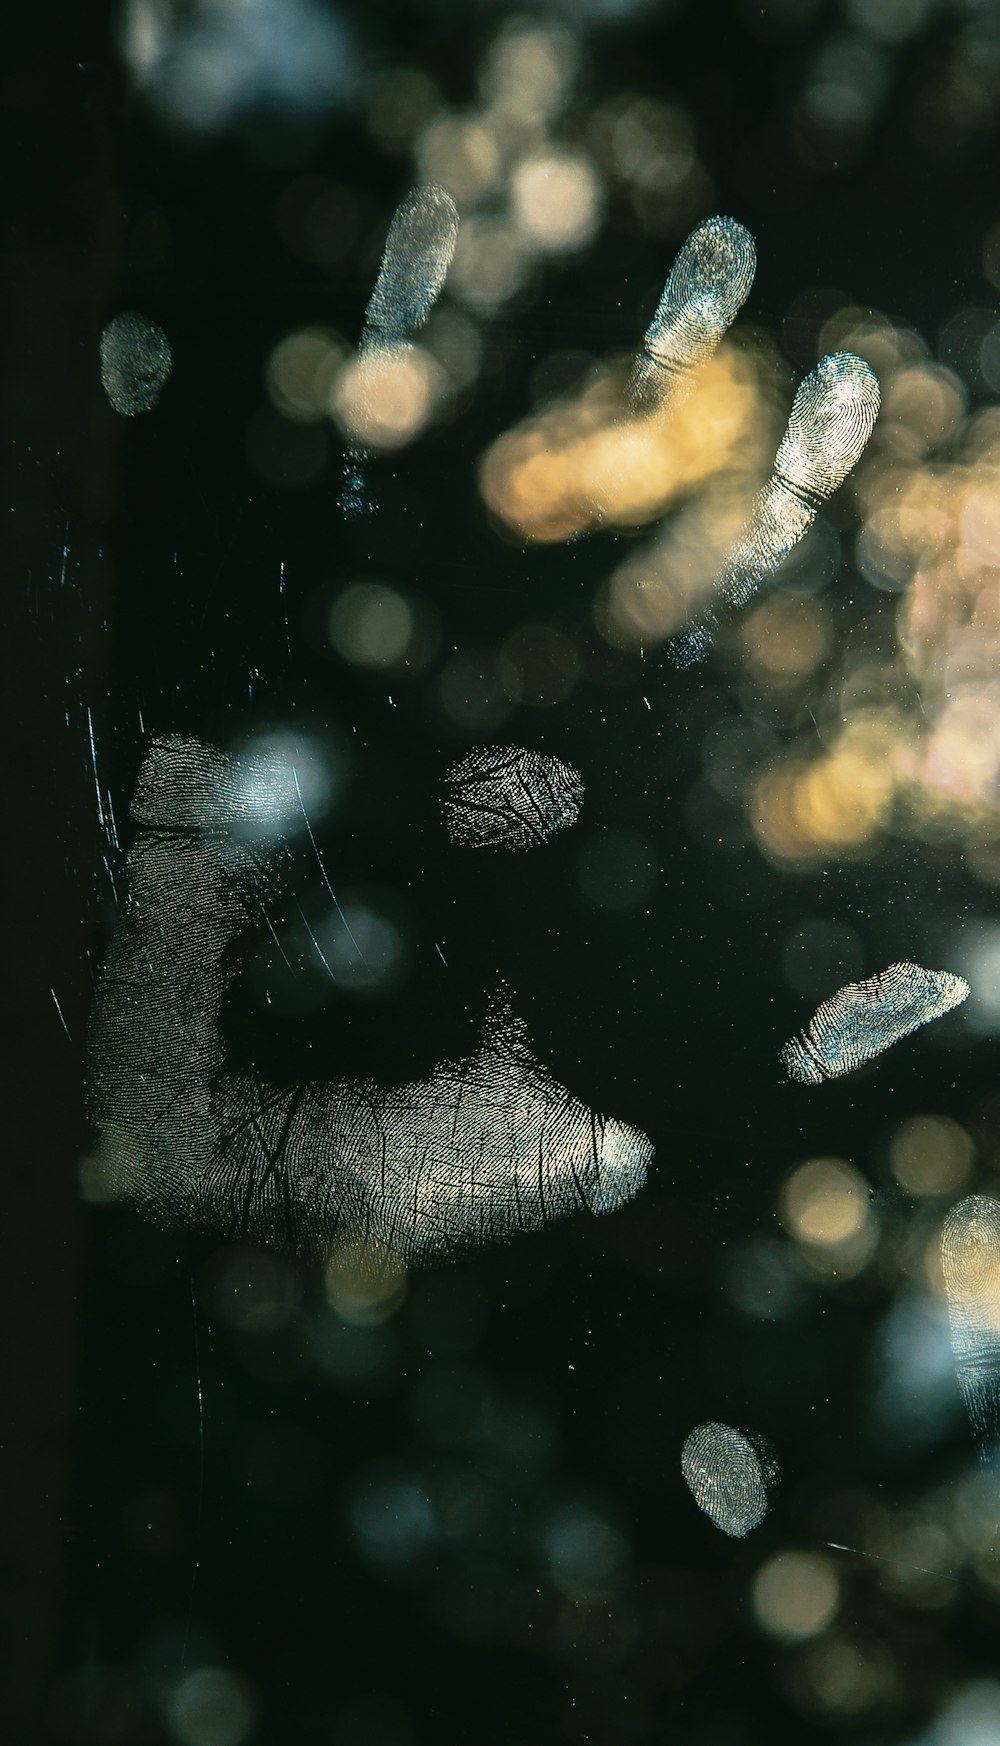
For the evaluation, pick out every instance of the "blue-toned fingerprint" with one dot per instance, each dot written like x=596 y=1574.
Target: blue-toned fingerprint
x=419 y=248
x=707 y=287
x=970 y=1262
x=864 y=1019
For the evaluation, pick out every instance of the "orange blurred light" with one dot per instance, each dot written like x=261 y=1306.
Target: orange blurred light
x=582 y=464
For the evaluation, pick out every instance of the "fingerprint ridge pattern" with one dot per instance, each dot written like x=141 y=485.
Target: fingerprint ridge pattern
x=865 y=1018
x=706 y=288
x=832 y=418
x=730 y=1474
x=419 y=249
x=509 y=797
x=135 y=362
x=482 y=1148
x=970 y=1263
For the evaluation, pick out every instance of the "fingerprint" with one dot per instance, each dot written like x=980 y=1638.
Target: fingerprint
x=507 y=797
x=135 y=362
x=708 y=285
x=970 y=1262
x=865 y=1018
x=483 y=1147
x=832 y=417
x=730 y=1474
x=419 y=248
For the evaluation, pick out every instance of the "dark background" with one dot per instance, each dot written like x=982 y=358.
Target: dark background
x=183 y=1494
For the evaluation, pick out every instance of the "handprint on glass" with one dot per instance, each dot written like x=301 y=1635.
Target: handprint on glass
x=485 y=1146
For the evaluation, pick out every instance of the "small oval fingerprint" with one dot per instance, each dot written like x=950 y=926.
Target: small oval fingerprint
x=135 y=362
x=508 y=797
x=730 y=1475
x=970 y=1262
x=866 y=1018
x=707 y=287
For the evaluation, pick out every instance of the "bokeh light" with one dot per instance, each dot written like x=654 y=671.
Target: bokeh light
x=931 y=1155
x=206 y=64
x=301 y=371
x=795 y=1595
x=254 y=1292
x=826 y=1206
x=556 y=201
x=586 y=1554
x=210 y=1707
x=374 y=625
x=384 y=398
x=581 y=464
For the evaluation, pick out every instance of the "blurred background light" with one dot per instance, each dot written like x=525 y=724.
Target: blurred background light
x=961 y=341
x=838 y=805
x=844 y=1678
x=890 y=21
x=795 y=1595
x=455 y=341
x=586 y=1555
x=969 y=1717
x=461 y=155
x=491 y=263
x=313 y=774
x=840 y=101
x=785 y=640
x=764 y=1280
x=580 y=464
x=392 y=1519
x=991 y=254
x=362 y=1286
x=826 y=1206
x=319 y=219
x=357 y=945
x=205 y=63
x=975 y=947
x=254 y=1292
x=300 y=371
x=646 y=149
x=931 y=1154
x=401 y=103
x=853 y=711
x=384 y=398
x=360 y=1357
x=556 y=201
x=210 y=1707
x=373 y=625
x=914 y=1395
x=362 y=944
x=530 y=68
